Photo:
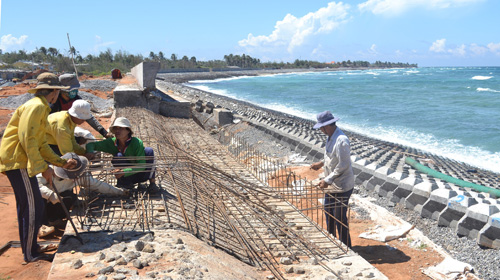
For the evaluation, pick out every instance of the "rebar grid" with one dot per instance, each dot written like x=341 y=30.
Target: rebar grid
x=206 y=190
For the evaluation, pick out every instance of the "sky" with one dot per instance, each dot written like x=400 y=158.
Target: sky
x=426 y=32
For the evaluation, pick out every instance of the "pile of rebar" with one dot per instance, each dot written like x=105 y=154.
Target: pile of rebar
x=257 y=217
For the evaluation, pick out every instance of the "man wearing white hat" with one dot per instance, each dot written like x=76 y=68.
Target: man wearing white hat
x=61 y=130
x=339 y=177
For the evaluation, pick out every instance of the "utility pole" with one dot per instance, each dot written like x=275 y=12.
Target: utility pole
x=72 y=59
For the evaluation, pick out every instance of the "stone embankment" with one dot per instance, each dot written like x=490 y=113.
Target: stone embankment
x=380 y=168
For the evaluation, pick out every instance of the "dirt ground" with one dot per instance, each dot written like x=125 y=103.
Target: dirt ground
x=396 y=259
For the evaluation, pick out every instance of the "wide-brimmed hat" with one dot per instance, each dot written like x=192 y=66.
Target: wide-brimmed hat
x=69 y=80
x=81 y=164
x=80 y=109
x=325 y=118
x=121 y=122
x=47 y=80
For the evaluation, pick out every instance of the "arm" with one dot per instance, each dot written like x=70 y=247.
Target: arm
x=94 y=123
x=106 y=145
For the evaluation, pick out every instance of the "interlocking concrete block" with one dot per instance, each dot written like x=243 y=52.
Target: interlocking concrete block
x=387 y=189
x=436 y=203
x=373 y=183
x=420 y=194
x=475 y=219
x=382 y=172
x=489 y=235
x=404 y=189
x=455 y=209
x=371 y=167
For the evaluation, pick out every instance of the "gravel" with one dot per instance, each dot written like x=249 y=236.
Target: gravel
x=102 y=85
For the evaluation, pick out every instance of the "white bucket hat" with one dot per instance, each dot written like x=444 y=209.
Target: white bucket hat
x=80 y=109
x=121 y=122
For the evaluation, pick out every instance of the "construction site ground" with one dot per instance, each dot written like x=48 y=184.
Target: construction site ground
x=396 y=259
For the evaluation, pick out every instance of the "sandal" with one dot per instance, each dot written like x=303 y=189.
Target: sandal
x=47 y=248
x=45 y=230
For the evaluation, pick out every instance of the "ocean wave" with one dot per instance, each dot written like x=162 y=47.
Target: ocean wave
x=449 y=148
x=218 y=80
x=482 y=78
x=487 y=89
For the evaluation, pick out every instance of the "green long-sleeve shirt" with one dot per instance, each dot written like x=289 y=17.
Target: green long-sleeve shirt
x=134 y=148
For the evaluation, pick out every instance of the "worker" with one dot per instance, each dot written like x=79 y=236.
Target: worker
x=23 y=154
x=338 y=180
x=64 y=182
x=67 y=97
x=61 y=129
x=134 y=162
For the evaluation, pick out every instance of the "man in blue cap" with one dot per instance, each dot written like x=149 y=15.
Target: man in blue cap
x=339 y=178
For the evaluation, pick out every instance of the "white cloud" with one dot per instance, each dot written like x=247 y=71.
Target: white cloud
x=100 y=45
x=438 y=46
x=494 y=48
x=292 y=32
x=398 y=7
x=9 y=42
x=478 y=50
x=458 y=51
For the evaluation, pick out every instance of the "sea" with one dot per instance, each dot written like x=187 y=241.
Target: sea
x=449 y=111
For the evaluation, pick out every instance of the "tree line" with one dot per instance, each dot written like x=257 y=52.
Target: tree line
x=107 y=60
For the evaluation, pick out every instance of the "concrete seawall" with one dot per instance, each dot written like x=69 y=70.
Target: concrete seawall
x=380 y=166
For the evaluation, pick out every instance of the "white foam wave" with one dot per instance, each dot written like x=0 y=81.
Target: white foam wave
x=487 y=89
x=218 y=80
x=482 y=78
x=411 y=72
x=449 y=148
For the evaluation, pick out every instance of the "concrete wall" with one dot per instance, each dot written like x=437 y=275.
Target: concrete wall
x=145 y=73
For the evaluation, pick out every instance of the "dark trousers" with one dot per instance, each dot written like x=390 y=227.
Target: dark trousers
x=30 y=206
x=138 y=177
x=54 y=212
x=336 y=215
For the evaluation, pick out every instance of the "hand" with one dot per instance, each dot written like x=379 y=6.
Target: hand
x=316 y=165
x=118 y=173
x=109 y=135
x=90 y=156
x=70 y=164
x=322 y=184
x=48 y=174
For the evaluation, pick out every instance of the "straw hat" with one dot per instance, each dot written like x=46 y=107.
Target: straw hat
x=81 y=164
x=47 y=81
x=121 y=122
